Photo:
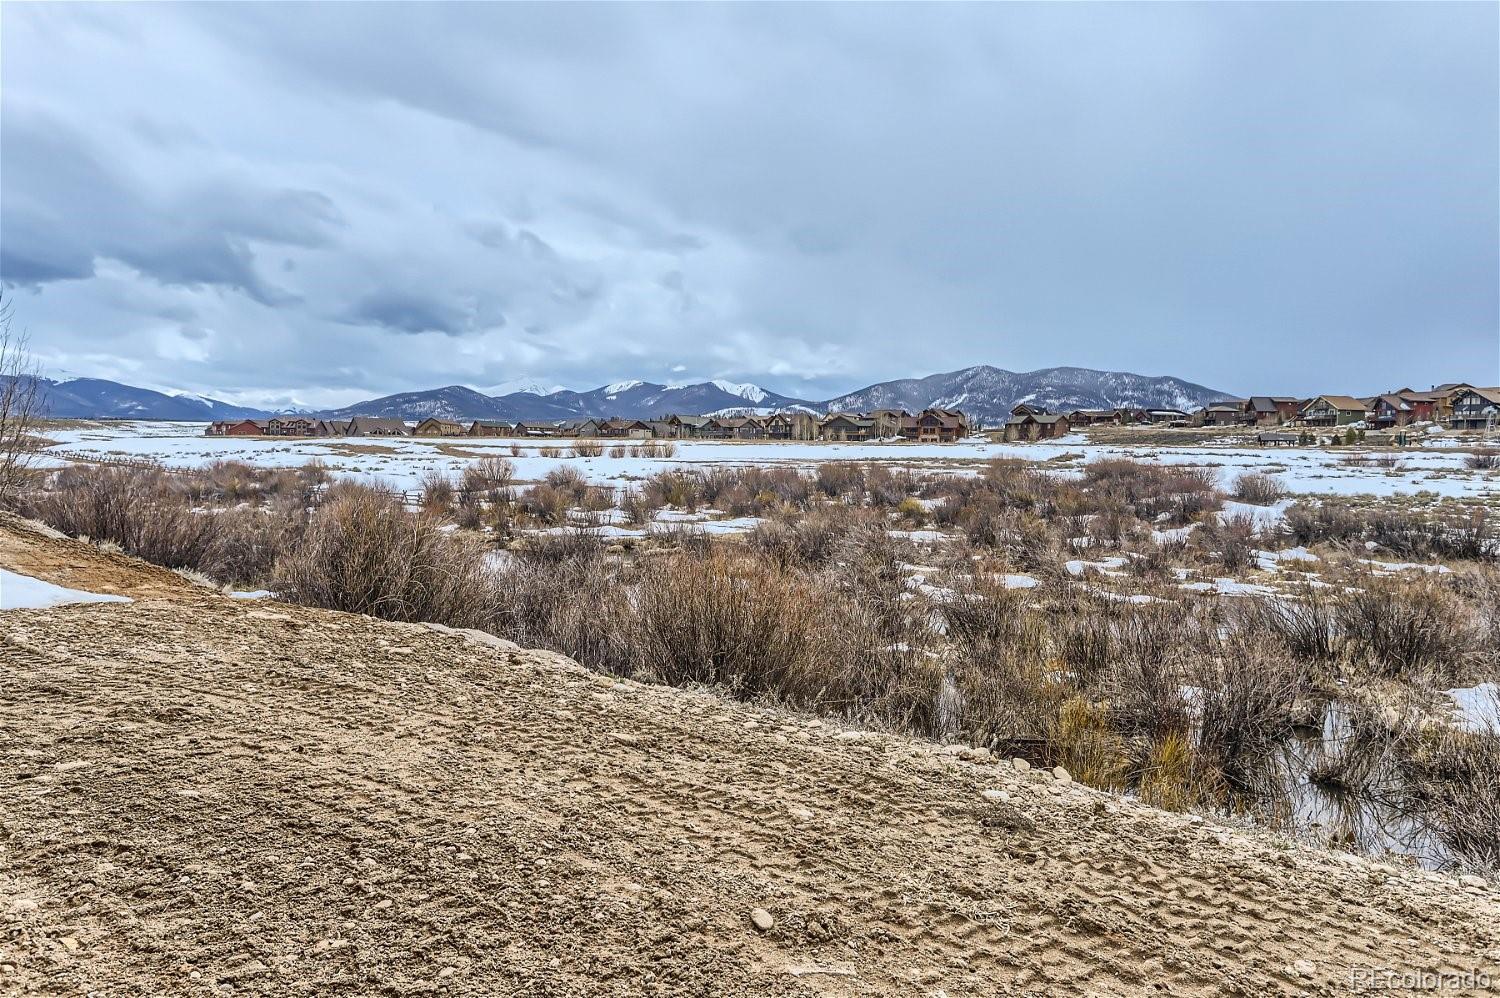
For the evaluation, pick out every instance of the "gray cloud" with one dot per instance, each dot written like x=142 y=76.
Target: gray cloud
x=1272 y=197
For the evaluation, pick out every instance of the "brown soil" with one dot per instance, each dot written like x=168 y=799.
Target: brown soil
x=206 y=795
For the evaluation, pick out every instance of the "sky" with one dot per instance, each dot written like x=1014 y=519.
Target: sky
x=314 y=204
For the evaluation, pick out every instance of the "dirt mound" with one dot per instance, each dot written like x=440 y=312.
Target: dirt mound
x=37 y=550
x=228 y=796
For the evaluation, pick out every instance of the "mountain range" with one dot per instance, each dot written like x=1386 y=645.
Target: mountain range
x=986 y=393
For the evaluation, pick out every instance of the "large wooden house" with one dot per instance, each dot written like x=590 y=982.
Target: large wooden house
x=847 y=426
x=376 y=426
x=1271 y=410
x=1033 y=426
x=632 y=428
x=491 y=428
x=1387 y=411
x=1475 y=409
x=432 y=426
x=1331 y=410
x=943 y=426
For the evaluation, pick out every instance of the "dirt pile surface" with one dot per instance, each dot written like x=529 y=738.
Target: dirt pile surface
x=203 y=795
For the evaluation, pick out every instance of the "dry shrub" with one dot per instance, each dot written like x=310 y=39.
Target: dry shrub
x=1228 y=541
x=1405 y=627
x=911 y=512
x=840 y=479
x=588 y=448
x=618 y=450
x=549 y=450
x=249 y=541
x=1304 y=626
x=1245 y=697
x=363 y=553
x=682 y=489
x=437 y=492
x=757 y=628
x=1172 y=776
x=141 y=509
x=1486 y=459
x=811 y=539
x=563 y=594
x=546 y=504
x=490 y=477
x=637 y=508
x=1259 y=489
x=1082 y=740
x=1455 y=775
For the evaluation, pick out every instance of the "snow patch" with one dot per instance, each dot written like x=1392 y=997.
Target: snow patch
x=22 y=592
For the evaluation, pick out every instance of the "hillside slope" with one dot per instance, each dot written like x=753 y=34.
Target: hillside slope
x=200 y=791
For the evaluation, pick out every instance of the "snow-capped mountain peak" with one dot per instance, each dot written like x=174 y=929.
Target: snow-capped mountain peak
x=530 y=386
x=749 y=392
x=620 y=386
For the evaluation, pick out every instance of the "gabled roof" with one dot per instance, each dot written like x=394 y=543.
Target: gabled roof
x=376 y=424
x=493 y=424
x=689 y=420
x=1394 y=401
x=1343 y=403
x=1491 y=395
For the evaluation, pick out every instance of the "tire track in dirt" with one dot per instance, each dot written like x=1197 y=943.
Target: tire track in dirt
x=292 y=801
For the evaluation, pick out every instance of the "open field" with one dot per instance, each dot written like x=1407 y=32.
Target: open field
x=1439 y=470
x=207 y=794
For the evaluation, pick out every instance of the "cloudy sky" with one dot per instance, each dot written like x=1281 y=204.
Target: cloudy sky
x=318 y=204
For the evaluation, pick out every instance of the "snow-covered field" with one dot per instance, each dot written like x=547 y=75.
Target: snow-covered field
x=402 y=462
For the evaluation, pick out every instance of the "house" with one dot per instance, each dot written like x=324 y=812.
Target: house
x=435 y=427
x=1027 y=409
x=1230 y=412
x=1092 y=417
x=1166 y=416
x=586 y=428
x=290 y=426
x=658 y=428
x=942 y=426
x=1029 y=426
x=491 y=428
x=538 y=428
x=888 y=422
x=688 y=426
x=1125 y=415
x=794 y=425
x=1435 y=405
x=376 y=426
x=633 y=428
x=1271 y=410
x=235 y=428
x=1386 y=411
x=1475 y=409
x=1331 y=410
x=847 y=426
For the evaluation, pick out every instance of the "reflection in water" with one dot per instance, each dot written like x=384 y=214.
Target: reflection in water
x=1333 y=787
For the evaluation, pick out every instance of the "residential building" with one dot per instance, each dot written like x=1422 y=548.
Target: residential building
x=1331 y=410
x=1030 y=426
x=847 y=426
x=1475 y=409
x=376 y=426
x=435 y=427
x=1271 y=410
x=942 y=426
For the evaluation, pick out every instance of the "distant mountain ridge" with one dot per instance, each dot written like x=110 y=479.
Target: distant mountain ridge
x=984 y=392
x=95 y=398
